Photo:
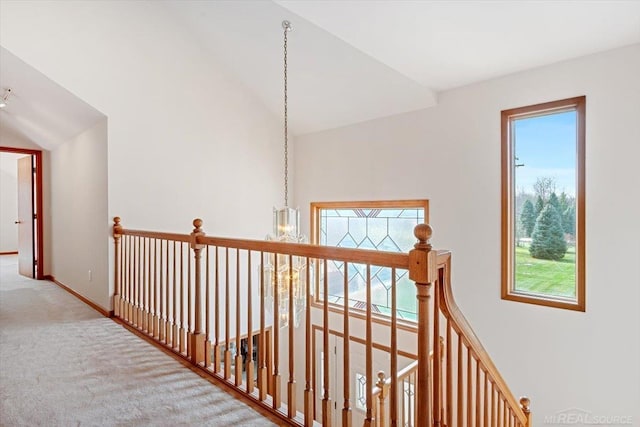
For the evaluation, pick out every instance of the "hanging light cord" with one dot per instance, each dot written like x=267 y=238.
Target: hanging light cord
x=287 y=27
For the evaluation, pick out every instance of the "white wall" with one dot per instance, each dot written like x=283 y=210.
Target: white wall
x=9 y=201
x=185 y=139
x=450 y=154
x=79 y=214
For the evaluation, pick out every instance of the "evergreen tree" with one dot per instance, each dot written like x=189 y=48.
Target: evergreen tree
x=565 y=202
x=539 y=206
x=528 y=218
x=553 y=201
x=569 y=220
x=548 y=236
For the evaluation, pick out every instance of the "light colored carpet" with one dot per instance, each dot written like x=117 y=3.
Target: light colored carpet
x=63 y=364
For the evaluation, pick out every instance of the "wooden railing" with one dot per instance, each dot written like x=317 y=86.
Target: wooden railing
x=203 y=298
x=404 y=397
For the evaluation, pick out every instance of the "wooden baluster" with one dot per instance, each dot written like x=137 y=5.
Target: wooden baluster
x=123 y=278
x=151 y=304
x=197 y=338
x=147 y=285
x=139 y=284
x=308 y=390
x=477 y=407
x=485 y=409
x=227 y=313
x=469 y=389
x=326 y=401
x=207 y=311
x=238 y=358
x=505 y=412
x=249 y=365
x=216 y=349
x=291 y=385
x=125 y=273
x=156 y=291
x=189 y=326
x=183 y=311
x=275 y=379
x=167 y=293
x=346 y=363
x=143 y=286
x=262 y=350
x=150 y=293
x=460 y=384
x=423 y=270
x=162 y=327
x=440 y=389
x=134 y=284
x=368 y=421
x=134 y=281
x=117 y=233
x=405 y=404
x=414 y=412
x=174 y=330
x=524 y=403
x=381 y=418
x=129 y=280
x=449 y=373
x=393 y=402
x=494 y=403
x=437 y=357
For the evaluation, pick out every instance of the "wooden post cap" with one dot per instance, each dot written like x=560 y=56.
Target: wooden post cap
x=381 y=379
x=525 y=402
x=423 y=233
x=117 y=228
x=197 y=223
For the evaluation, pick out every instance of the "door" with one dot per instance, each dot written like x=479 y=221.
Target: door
x=319 y=386
x=25 y=222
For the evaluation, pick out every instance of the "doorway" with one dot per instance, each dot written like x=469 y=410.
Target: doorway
x=30 y=212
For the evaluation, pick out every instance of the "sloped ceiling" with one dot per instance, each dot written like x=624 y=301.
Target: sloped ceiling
x=38 y=110
x=357 y=60
x=349 y=60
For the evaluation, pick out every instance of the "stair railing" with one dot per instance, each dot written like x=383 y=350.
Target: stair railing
x=202 y=298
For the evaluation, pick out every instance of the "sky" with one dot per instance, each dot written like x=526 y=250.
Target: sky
x=546 y=145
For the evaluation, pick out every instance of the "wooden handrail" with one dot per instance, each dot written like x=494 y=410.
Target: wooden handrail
x=358 y=256
x=460 y=324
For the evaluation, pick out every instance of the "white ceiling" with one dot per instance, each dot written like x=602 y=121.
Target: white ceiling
x=446 y=44
x=356 y=60
x=39 y=111
x=349 y=60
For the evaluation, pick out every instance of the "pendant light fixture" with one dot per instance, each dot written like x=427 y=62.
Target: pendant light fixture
x=284 y=275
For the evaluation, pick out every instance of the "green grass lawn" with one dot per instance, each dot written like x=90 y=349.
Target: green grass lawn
x=546 y=277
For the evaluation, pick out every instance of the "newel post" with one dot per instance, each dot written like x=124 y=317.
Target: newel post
x=197 y=338
x=117 y=233
x=384 y=391
x=423 y=271
x=524 y=403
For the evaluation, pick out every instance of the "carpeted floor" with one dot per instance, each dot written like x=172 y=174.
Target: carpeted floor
x=63 y=364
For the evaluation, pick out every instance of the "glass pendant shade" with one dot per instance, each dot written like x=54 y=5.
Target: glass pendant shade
x=284 y=274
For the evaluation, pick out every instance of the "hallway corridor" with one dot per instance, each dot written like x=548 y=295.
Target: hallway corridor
x=64 y=364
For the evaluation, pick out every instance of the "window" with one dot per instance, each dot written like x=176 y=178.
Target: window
x=361 y=392
x=543 y=199
x=381 y=225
